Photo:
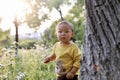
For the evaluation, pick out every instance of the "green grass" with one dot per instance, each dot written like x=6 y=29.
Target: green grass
x=28 y=65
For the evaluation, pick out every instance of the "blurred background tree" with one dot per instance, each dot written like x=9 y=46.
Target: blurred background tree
x=38 y=11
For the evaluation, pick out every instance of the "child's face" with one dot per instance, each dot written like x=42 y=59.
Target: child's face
x=64 y=33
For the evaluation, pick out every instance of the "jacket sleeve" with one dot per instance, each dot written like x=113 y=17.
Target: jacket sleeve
x=77 y=57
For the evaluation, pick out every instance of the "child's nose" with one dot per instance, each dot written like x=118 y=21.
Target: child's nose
x=63 y=33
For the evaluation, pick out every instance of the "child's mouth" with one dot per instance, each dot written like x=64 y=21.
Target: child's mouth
x=63 y=37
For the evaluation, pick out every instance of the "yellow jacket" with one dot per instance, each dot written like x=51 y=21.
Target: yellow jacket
x=66 y=57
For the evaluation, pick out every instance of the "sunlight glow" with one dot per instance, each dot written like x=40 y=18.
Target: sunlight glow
x=11 y=8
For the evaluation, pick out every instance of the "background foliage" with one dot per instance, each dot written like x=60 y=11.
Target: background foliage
x=5 y=38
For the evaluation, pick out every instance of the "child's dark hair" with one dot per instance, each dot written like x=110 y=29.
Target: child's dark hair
x=68 y=23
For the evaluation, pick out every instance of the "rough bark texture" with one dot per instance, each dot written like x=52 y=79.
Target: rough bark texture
x=101 y=56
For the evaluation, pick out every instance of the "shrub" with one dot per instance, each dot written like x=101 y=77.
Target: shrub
x=27 y=44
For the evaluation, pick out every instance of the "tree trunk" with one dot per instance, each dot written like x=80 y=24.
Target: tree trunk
x=59 y=10
x=101 y=55
x=16 y=37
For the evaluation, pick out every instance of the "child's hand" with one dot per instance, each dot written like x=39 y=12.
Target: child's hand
x=47 y=60
x=70 y=75
x=50 y=58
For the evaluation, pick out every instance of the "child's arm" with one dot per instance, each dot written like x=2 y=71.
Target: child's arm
x=71 y=73
x=76 y=64
x=49 y=58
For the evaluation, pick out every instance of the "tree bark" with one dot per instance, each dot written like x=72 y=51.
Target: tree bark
x=101 y=55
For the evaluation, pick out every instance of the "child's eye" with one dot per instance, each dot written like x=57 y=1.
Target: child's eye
x=66 y=31
x=59 y=31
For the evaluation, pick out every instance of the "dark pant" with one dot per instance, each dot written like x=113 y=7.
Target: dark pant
x=64 y=78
